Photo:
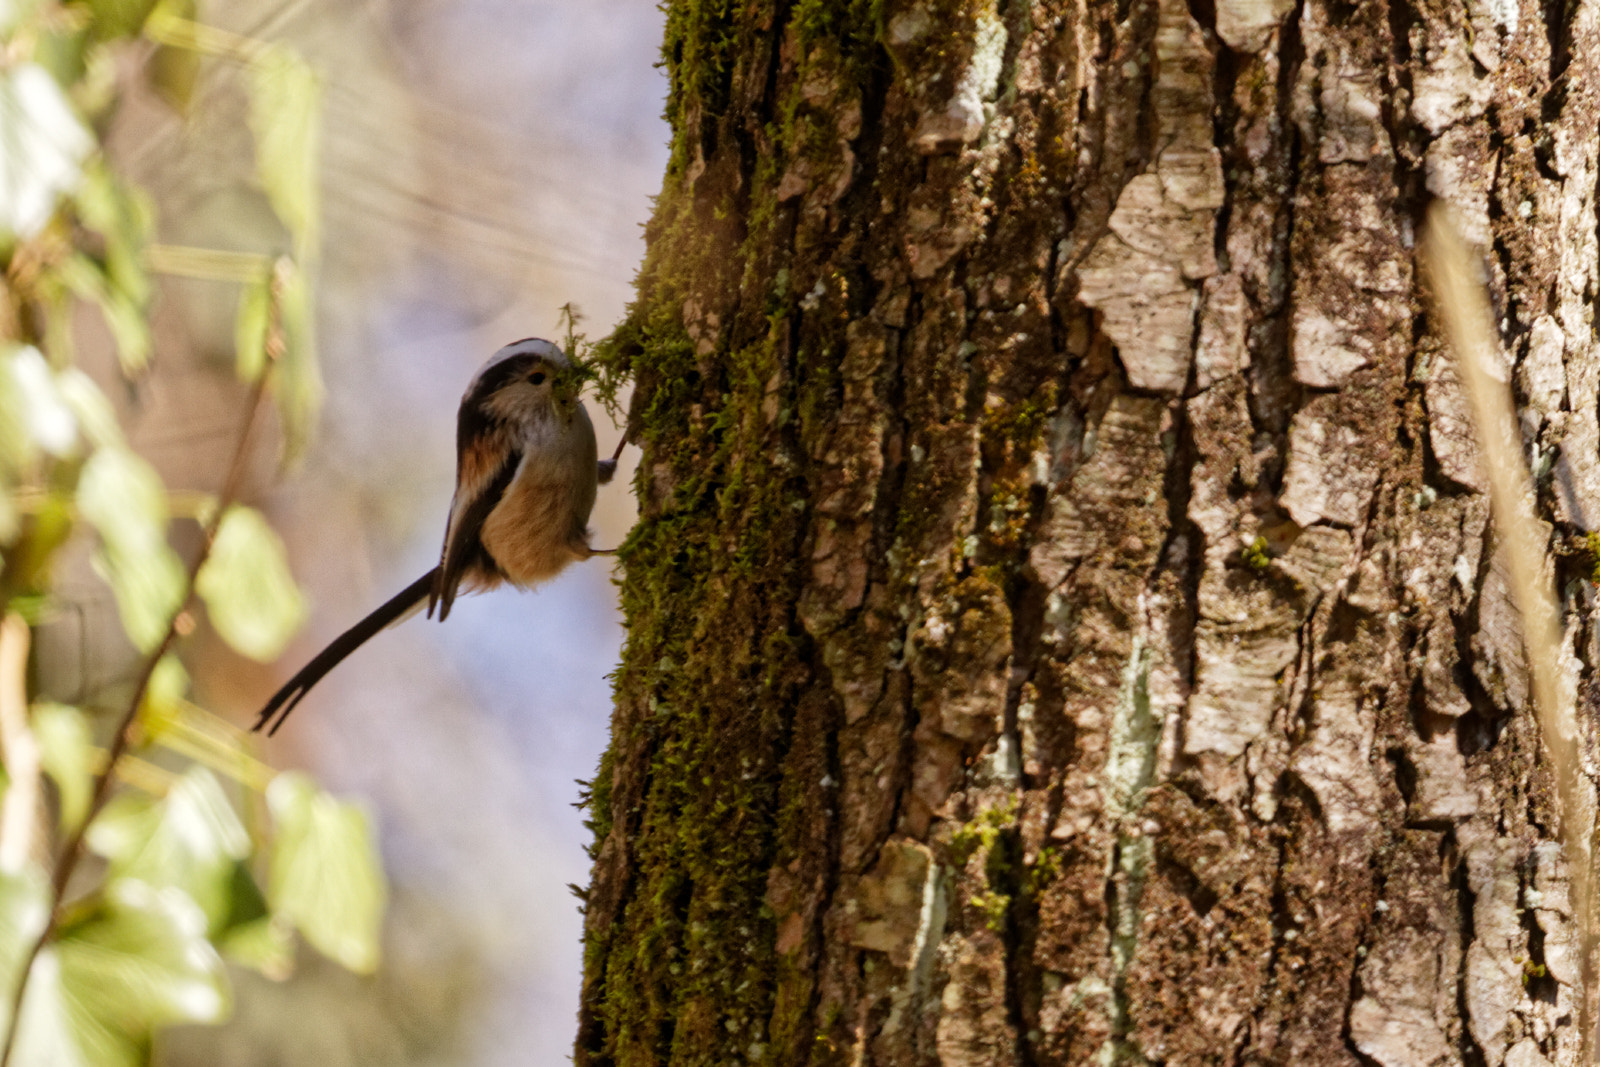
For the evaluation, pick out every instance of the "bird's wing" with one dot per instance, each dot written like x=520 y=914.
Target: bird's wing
x=485 y=466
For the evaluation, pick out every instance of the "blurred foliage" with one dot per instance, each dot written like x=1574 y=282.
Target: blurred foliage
x=208 y=854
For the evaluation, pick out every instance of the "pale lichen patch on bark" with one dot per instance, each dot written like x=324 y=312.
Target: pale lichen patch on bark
x=1141 y=274
x=1325 y=482
x=1406 y=1015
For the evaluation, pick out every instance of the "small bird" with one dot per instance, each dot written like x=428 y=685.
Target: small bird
x=526 y=476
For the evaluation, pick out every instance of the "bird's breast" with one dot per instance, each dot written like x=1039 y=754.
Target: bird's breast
x=531 y=532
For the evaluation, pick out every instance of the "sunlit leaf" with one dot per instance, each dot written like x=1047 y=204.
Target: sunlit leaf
x=46 y=1034
x=95 y=416
x=325 y=875
x=66 y=751
x=42 y=147
x=250 y=595
x=264 y=945
x=138 y=962
x=122 y=497
x=14 y=11
x=250 y=327
x=285 y=101
x=46 y=415
x=190 y=840
x=24 y=908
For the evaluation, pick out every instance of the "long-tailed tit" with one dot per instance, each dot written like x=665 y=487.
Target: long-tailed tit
x=526 y=472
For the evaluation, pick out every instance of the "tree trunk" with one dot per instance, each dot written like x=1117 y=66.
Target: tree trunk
x=1064 y=625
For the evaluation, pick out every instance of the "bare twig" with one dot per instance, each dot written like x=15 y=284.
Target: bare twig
x=1474 y=339
x=72 y=852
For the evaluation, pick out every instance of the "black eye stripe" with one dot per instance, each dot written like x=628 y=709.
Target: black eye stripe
x=537 y=377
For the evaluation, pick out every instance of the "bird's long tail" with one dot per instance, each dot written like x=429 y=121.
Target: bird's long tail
x=294 y=690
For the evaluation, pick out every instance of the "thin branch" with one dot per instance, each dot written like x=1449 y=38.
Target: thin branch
x=1475 y=341
x=73 y=851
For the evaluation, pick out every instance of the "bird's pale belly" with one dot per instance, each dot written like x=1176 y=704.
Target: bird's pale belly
x=532 y=533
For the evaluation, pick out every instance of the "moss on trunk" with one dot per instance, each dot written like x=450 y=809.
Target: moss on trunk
x=1062 y=622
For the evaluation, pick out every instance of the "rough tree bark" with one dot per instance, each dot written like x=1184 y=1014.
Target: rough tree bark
x=1063 y=621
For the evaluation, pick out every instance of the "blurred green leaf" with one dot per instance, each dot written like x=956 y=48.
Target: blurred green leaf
x=264 y=945
x=45 y=145
x=66 y=751
x=298 y=384
x=138 y=962
x=95 y=417
x=45 y=1034
x=124 y=315
x=45 y=414
x=251 y=326
x=16 y=445
x=173 y=73
x=24 y=909
x=60 y=50
x=171 y=70
x=285 y=102
x=190 y=839
x=13 y=12
x=122 y=497
x=118 y=18
x=10 y=520
x=250 y=595
x=169 y=682
x=246 y=903
x=123 y=216
x=325 y=875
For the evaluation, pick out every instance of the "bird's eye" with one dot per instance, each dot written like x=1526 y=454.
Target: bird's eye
x=538 y=378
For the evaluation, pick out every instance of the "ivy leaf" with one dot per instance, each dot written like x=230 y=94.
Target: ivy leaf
x=285 y=102
x=24 y=909
x=173 y=72
x=168 y=684
x=125 y=317
x=17 y=447
x=91 y=408
x=325 y=875
x=298 y=383
x=66 y=751
x=122 y=497
x=45 y=1031
x=250 y=595
x=48 y=419
x=123 y=216
x=140 y=961
x=119 y=18
x=190 y=840
x=43 y=144
x=250 y=327
x=264 y=945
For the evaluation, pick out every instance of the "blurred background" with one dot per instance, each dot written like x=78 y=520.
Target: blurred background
x=484 y=163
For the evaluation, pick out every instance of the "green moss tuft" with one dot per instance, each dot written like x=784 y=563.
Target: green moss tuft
x=1255 y=554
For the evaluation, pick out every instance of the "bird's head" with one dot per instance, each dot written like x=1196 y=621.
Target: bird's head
x=527 y=379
